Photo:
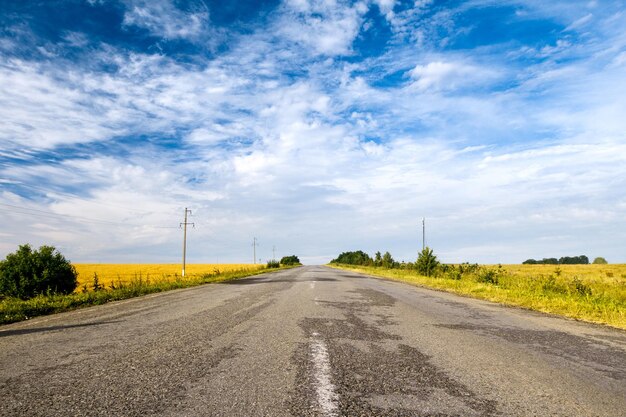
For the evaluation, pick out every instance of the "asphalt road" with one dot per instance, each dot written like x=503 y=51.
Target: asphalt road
x=311 y=341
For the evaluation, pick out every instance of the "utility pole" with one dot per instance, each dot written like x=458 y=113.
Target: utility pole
x=423 y=233
x=273 y=253
x=184 y=226
x=254 y=245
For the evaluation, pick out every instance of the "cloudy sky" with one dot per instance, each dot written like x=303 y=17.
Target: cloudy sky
x=316 y=126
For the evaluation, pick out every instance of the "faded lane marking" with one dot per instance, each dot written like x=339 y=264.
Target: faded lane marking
x=326 y=396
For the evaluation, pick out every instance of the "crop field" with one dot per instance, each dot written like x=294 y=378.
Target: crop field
x=116 y=275
x=595 y=293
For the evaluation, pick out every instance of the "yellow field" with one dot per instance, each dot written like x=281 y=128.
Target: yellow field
x=126 y=273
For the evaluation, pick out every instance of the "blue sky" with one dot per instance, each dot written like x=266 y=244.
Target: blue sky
x=316 y=126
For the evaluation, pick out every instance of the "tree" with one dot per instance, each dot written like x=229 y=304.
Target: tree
x=426 y=262
x=387 y=260
x=27 y=273
x=600 y=261
x=290 y=260
x=378 y=260
x=353 y=258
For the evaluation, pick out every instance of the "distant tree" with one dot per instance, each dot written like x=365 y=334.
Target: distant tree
x=388 y=261
x=565 y=260
x=378 y=260
x=600 y=261
x=426 y=262
x=549 y=261
x=290 y=260
x=353 y=258
x=27 y=273
x=574 y=260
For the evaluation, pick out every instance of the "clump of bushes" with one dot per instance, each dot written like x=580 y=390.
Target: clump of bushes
x=27 y=273
x=273 y=264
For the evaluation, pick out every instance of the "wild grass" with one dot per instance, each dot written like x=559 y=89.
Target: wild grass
x=98 y=291
x=594 y=293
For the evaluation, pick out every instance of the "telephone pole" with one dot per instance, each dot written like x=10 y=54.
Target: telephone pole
x=273 y=253
x=423 y=233
x=184 y=226
x=254 y=245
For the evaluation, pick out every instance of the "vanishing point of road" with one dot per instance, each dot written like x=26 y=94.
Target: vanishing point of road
x=310 y=341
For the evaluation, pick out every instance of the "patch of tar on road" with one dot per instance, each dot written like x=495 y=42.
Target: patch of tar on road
x=578 y=349
x=374 y=375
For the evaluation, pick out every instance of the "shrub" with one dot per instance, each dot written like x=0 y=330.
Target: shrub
x=487 y=276
x=273 y=264
x=600 y=261
x=27 y=273
x=426 y=262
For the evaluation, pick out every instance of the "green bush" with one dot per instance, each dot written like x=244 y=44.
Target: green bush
x=600 y=261
x=273 y=264
x=27 y=273
x=487 y=276
x=426 y=262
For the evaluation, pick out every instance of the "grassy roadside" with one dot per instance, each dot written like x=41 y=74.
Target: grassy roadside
x=581 y=296
x=15 y=309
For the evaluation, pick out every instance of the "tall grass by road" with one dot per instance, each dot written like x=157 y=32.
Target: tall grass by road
x=122 y=281
x=594 y=293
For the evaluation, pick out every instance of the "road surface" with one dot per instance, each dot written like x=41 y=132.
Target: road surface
x=310 y=341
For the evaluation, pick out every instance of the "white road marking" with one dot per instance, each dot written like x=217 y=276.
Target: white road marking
x=326 y=396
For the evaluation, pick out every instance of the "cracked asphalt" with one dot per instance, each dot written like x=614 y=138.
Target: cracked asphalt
x=311 y=341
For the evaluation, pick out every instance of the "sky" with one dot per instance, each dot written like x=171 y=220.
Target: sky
x=316 y=126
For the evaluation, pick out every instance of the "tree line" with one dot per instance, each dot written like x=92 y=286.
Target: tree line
x=565 y=260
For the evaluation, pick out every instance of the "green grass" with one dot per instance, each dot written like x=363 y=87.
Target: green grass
x=587 y=297
x=15 y=309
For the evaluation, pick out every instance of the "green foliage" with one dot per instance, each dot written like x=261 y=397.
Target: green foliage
x=565 y=260
x=378 y=260
x=290 y=260
x=387 y=261
x=487 y=276
x=426 y=262
x=600 y=261
x=580 y=287
x=27 y=273
x=353 y=258
x=273 y=264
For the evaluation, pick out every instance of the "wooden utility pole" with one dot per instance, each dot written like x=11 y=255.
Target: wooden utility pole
x=423 y=233
x=254 y=245
x=184 y=226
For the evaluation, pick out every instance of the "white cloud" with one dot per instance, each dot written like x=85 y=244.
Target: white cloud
x=162 y=18
x=327 y=27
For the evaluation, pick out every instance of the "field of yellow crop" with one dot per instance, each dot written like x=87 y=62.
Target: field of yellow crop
x=116 y=274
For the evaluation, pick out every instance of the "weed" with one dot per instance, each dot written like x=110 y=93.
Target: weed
x=580 y=287
x=487 y=276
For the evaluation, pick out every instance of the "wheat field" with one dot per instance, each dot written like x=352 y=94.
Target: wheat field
x=116 y=274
